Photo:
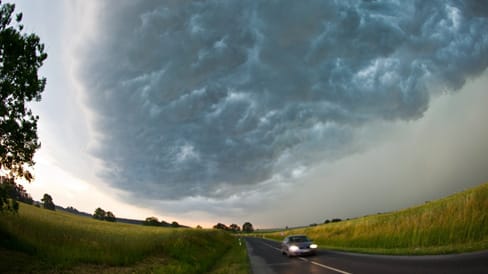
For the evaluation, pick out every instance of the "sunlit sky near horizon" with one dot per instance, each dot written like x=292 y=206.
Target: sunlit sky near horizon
x=281 y=113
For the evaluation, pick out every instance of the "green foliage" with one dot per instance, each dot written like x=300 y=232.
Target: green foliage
x=151 y=221
x=457 y=223
x=247 y=227
x=47 y=202
x=220 y=226
x=63 y=241
x=110 y=217
x=15 y=192
x=234 y=228
x=21 y=55
x=103 y=215
x=99 y=214
x=7 y=204
x=10 y=193
x=6 y=201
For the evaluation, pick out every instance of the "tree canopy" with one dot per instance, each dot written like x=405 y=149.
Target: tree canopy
x=234 y=228
x=220 y=226
x=110 y=217
x=151 y=221
x=48 y=203
x=103 y=215
x=21 y=55
x=247 y=227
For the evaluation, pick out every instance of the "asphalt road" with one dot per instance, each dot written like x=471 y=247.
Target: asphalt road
x=266 y=258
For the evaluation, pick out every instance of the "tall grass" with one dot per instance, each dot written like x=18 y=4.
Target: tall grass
x=235 y=261
x=457 y=223
x=62 y=240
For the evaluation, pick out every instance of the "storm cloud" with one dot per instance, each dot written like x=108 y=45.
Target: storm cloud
x=214 y=99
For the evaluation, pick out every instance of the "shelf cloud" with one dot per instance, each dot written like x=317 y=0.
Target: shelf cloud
x=218 y=99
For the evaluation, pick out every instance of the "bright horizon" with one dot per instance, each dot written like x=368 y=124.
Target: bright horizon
x=275 y=118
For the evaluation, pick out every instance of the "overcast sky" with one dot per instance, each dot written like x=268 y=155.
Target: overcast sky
x=274 y=112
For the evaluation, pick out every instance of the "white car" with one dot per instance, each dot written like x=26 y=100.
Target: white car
x=296 y=245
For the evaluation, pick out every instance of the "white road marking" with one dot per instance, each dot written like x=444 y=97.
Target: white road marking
x=314 y=263
x=330 y=267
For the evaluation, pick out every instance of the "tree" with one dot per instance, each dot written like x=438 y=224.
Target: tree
x=109 y=216
x=151 y=221
x=10 y=193
x=99 y=214
x=234 y=228
x=103 y=215
x=220 y=226
x=175 y=224
x=247 y=227
x=21 y=55
x=6 y=190
x=48 y=203
x=164 y=223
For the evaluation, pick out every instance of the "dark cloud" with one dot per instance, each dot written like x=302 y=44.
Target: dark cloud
x=214 y=98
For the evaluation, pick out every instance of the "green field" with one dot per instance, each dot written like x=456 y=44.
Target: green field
x=458 y=223
x=39 y=240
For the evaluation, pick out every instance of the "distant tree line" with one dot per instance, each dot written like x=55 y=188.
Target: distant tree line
x=11 y=193
x=153 y=221
x=335 y=220
x=71 y=209
x=246 y=227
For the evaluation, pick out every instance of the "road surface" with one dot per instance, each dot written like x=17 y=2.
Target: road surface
x=266 y=258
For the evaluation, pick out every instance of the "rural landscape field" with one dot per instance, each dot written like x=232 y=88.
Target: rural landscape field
x=40 y=240
x=455 y=224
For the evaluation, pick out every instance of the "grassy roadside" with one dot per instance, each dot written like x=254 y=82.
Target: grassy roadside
x=455 y=224
x=38 y=240
x=235 y=261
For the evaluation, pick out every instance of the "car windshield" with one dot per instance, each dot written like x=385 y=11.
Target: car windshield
x=299 y=239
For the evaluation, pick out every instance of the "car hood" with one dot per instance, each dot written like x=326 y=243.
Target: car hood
x=301 y=244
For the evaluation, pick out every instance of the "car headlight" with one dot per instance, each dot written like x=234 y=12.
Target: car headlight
x=293 y=248
x=313 y=246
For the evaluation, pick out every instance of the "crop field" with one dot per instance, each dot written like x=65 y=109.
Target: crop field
x=39 y=240
x=458 y=223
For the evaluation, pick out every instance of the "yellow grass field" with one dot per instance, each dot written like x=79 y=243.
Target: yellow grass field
x=458 y=223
